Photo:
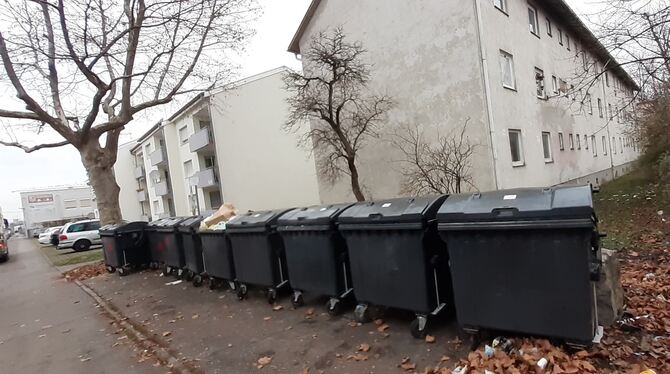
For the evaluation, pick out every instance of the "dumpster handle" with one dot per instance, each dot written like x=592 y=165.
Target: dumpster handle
x=376 y=215
x=505 y=212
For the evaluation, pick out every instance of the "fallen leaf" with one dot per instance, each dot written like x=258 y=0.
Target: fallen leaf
x=304 y=371
x=267 y=318
x=167 y=333
x=263 y=361
x=379 y=322
x=383 y=328
x=358 y=357
x=364 y=347
x=277 y=308
x=195 y=316
x=309 y=312
x=430 y=339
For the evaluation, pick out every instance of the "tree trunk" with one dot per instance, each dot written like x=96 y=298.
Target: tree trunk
x=355 y=185
x=99 y=166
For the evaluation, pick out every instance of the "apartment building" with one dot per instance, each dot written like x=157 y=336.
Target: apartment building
x=544 y=100
x=226 y=145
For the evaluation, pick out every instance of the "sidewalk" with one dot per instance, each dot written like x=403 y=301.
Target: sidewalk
x=224 y=335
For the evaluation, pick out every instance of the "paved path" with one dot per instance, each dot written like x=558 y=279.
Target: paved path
x=48 y=325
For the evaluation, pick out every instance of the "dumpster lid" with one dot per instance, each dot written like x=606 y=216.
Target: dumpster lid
x=313 y=215
x=171 y=222
x=156 y=223
x=562 y=202
x=401 y=210
x=256 y=219
x=191 y=223
x=123 y=227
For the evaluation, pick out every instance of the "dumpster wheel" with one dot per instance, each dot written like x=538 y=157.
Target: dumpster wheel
x=362 y=313
x=418 y=327
x=334 y=306
x=242 y=291
x=197 y=280
x=122 y=271
x=272 y=295
x=213 y=283
x=297 y=300
x=189 y=275
x=110 y=269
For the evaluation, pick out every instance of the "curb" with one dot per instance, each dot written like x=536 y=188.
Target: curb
x=164 y=355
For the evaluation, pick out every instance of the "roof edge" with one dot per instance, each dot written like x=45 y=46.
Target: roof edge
x=294 y=47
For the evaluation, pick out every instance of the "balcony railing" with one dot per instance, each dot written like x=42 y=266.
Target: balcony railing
x=139 y=172
x=142 y=196
x=207 y=178
x=158 y=157
x=200 y=141
x=162 y=189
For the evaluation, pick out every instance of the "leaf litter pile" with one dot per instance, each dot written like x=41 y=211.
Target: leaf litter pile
x=85 y=272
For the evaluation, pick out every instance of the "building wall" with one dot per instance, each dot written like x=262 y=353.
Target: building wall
x=260 y=165
x=60 y=204
x=179 y=195
x=124 y=172
x=424 y=55
x=521 y=108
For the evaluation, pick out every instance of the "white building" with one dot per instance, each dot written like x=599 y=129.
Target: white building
x=223 y=146
x=512 y=67
x=52 y=206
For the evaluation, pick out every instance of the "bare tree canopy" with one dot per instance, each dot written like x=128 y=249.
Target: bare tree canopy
x=440 y=166
x=332 y=96
x=85 y=68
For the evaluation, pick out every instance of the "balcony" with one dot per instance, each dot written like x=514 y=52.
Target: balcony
x=201 y=141
x=139 y=172
x=142 y=196
x=207 y=178
x=158 y=157
x=162 y=189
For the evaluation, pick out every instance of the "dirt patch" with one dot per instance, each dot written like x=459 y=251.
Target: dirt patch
x=85 y=272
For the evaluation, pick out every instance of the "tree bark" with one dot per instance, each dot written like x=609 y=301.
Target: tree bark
x=100 y=168
x=355 y=184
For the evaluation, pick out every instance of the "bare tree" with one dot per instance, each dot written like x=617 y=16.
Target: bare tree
x=441 y=166
x=84 y=69
x=332 y=96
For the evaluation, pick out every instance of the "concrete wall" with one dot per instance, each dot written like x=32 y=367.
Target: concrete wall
x=260 y=165
x=522 y=109
x=425 y=56
x=124 y=172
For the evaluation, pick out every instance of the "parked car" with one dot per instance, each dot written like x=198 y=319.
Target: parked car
x=45 y=237
x=4 y=250
x=80 y=236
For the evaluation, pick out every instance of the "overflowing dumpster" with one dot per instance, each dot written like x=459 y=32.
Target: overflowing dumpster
x=397 y=258
x=258 y=252
x=316 y=254
x=218 y=256
x=125 y=247
x=524 y=261
x=192 y=246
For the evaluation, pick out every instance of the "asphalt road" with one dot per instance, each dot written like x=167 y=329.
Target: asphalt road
x=48 y=325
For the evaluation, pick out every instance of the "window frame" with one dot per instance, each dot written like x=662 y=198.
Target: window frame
x=536 y=24
x=594 y=146
x=73 y=204
x=586 y=142
x=544 y=84
x=502 y=7
x=587 y=99
x=579 y=142
x=183 y=140
x=571 y=141
x=600 y=107
x=604 y=141
x=613 y=145
x=554 y=85
x=561 y=142
x=548 y=26
x=567 y=41
x=519 y=137
x=507 y=57
x=560 y=35
x=546 y=147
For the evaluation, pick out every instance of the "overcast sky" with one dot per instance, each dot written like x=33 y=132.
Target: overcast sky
x=62 y=166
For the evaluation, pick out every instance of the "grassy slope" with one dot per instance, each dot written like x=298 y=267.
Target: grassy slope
x=628 y=210
x=69 y=257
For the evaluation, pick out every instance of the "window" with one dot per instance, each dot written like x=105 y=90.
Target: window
x=561 y=145
x=589 y=104
x=579 y=141
x=600 y=108
x=607 y=79
x=574 y=95
x=507 y=69
x=500 y=4
x=586 y=142
x=571 y=140
x=567 y=41
x=609 y=108
x=183 y=135
x=621 y=144
x=516 y=147
x=532 y=21
x=539 y=83
x=188 y=169
x=616 y=113
x=585 y=61
x=564 y=87
x=546 y=147
x=85 y=203
x=77 y=227
x=210 y=161
x=613 y=145
x=69 y=204
x=92 y=226
x=157 y=207
x=554 y=84
x=147 y=150
x=548 y=25
x=594 y=146
x=215 y=199
x=604 y=140
x=560 y=36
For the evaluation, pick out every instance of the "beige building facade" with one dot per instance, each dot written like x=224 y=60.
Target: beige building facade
x=517 y=71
